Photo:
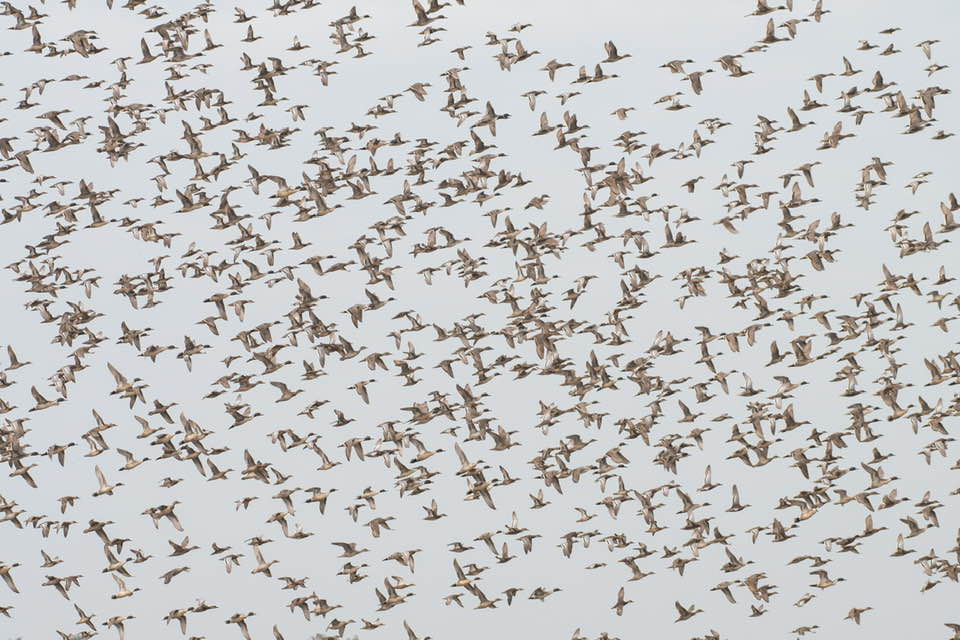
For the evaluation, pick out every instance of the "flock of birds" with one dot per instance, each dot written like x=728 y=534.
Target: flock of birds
x=260 y=352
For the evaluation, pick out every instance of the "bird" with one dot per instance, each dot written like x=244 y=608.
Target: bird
x=621 y=602
x=106 y=489
x=240 y=619
x=855 y=613
x=685 y=613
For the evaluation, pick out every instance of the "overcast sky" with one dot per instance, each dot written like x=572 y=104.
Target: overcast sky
x=653 y=34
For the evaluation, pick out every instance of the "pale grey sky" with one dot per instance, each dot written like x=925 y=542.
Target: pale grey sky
x=653 y=33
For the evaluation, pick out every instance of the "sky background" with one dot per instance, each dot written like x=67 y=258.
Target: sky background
x=653 y=33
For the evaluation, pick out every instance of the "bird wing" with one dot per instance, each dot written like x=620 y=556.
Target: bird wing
x=9 y=580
